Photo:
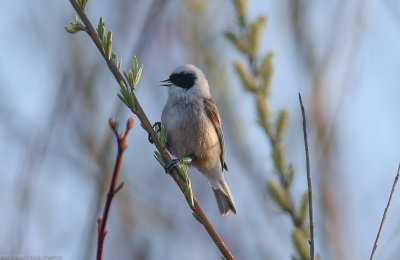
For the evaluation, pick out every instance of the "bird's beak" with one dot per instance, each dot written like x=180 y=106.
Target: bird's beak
x=167 y=83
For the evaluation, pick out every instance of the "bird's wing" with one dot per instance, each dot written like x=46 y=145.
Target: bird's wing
x=213 y=115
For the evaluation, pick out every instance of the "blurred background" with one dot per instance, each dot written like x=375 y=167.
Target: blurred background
x=57 y=150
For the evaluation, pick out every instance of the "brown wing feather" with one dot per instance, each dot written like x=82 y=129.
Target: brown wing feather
x=213 y=115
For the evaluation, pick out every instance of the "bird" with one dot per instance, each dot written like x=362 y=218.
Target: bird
x=193 y=127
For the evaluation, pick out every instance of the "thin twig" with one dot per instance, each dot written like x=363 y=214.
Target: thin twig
x=148 y=127
x=310 y=205
x=384 y=214
x=119 y=187
x=102 y=221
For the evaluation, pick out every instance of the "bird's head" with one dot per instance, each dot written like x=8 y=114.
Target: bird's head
x=188 y=78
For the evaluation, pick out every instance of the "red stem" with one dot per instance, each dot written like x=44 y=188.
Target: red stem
x=110 y=195
x=102 y=221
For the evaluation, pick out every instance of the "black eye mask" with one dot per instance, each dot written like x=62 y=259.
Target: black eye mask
x=183 y=80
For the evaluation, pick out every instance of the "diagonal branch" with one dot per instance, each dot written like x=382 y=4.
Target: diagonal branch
x=310 y=205
x=148 y=127
x=384 y=214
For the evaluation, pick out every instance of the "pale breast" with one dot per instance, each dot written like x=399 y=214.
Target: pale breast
x=191 y=133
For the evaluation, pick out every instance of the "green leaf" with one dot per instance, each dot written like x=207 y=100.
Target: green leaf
x=82 y=3
x=126 y=77
x=291 y=175
x=123 y=100
x=189 y=193
x=303 y=209
x=71 y=30
x=279 y=195
x=98 y=29
x=114 y=59
x=108 y=49
x=182 y=170
x=263 y=111
x=163 y=136
x=266 y=71
x=281 y=124
x=104 y=47
x=241 y=10
x=124 y=91
x=300 y=242
x=132 y=102
x=241 y=44
x=159 y=158
x=279 y=158
x=127 y=95
x=122 y=84
x=75 y=27
x=232 y=37
x=248 y=81
x=131 y=81
x=266 y=65
x=101 y=27
x=254 y=37
x=134 y=66
x=306 y=231
x=137 y=77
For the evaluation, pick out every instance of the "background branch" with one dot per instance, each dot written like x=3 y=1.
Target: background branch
x=256 y=76
x=384 y=214
x=122 y=145
x=310 y=205
x=138 y=111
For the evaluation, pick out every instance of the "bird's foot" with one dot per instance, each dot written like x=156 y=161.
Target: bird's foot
x=171 y=164
x=174 y=162
x=157 y=129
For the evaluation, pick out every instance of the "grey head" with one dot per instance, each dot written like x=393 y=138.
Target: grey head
x=187 y=77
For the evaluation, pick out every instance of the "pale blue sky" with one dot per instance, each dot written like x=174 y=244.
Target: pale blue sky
x=367 y=123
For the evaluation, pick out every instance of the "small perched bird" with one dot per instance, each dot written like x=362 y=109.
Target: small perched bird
x=193 y=127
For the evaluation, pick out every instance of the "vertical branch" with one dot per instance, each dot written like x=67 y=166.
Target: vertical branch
x=102 y=220
x=384 y=214
x=310 y=205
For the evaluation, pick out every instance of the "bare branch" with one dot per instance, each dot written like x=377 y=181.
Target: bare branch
x=102 y=221
x=310 y=205
x=384 y=214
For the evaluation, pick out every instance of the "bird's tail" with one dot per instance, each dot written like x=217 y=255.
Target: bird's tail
x=224 y=198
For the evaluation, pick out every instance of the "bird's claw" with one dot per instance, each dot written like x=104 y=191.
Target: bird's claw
x=156 y=129
x=171 y=164
x=174 y=162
